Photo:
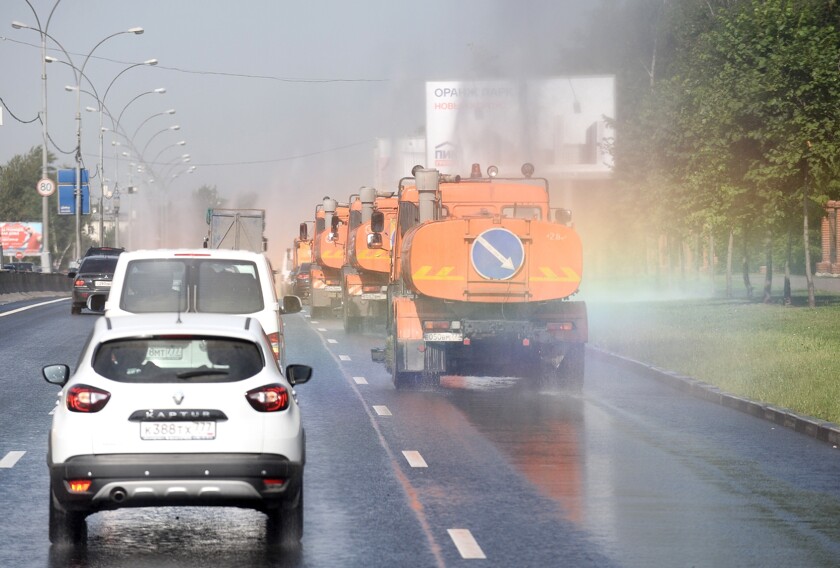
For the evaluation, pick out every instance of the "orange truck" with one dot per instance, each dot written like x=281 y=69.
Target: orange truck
x=481 y=282
x=300 y=256
x=366 y=270
x=328 y=243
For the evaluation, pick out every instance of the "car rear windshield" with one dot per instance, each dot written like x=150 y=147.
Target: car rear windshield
x=99 y=265
x=191 y=359
x=189 y=284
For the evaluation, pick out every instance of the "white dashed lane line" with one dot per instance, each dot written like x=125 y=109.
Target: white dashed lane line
x=360 y=380
x=10 y=459
x=322 y=329
x=466 y=544
x=332 y=341
x=344 y=357
x=415 y=459
x=382 y=410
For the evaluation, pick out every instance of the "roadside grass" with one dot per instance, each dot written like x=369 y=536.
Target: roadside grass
x=784 y=356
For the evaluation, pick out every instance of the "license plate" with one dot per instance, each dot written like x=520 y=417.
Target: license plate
x=332 y=288
x=102 y=283
x=374 y=296
x=443 y=336
x=177 y=430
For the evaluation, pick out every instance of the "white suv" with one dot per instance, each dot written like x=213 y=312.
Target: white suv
x=201 y=280
x=176 y=410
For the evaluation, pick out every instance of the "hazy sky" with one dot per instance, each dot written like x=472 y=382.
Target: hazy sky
x=278 y=99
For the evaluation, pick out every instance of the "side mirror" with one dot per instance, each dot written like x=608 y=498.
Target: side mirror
x=291 y=305
x=562 y=216
x=56 y=374
x=304 y=232
x=374 y=240
x=71 y=274
x=298 y=374
x=334 y=224
x=377 y=221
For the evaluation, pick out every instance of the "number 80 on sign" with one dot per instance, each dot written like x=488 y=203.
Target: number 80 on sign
x=45 y=187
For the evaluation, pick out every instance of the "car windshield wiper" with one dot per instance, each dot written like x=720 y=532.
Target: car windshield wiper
x=199 y=372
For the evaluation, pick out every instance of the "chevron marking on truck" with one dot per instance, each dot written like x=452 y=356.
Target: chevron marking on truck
x=369 y=254
x=549 y=275
x=443 y=274
x=355 y=290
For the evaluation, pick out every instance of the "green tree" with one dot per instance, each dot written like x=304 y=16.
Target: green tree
x=19 y=201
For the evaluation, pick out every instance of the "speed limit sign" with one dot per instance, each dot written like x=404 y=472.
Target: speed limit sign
x=45 y=187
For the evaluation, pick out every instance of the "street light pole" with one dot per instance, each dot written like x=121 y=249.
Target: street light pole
x=78 y=191
x=150 y=62
x=46 y=263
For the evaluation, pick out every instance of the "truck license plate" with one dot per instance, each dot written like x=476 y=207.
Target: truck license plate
x=178 y=430
x=443 y=336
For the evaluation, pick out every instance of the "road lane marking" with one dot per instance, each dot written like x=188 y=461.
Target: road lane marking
x=344 y=357
x=10 y=312
x=10 y=459
x=322 y=329
x=332 y=340
x=314 y=322
x=383 y=411
x=411 y=493
x=466 y=544
x=360 y=380
x=415 y=459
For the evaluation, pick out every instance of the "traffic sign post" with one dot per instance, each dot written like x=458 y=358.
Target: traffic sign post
x=45 y=187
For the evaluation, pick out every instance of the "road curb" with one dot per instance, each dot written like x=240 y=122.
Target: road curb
x=814 y=427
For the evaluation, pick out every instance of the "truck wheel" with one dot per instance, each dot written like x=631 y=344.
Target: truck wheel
x=406 y=380
x=284 y=526
x=66 y=527
x=569 y=374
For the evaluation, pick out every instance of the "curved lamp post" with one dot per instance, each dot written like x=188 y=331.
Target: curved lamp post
x=46 y=263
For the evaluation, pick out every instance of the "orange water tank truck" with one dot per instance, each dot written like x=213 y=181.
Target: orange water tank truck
x=366 y=270
x=482 y=281
x=300 y=253
x=328 y=242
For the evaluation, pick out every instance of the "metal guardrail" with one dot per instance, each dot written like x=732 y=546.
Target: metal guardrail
x=16 y=282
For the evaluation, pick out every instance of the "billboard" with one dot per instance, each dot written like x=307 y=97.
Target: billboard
x=561 y=125
x=21 y=237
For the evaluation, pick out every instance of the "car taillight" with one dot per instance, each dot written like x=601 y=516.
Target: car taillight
x=84 y=398
x=274 y=339
x=79 y=283
x=303 y=277
x=560 y=326
x=79 y=485
x=268 y=398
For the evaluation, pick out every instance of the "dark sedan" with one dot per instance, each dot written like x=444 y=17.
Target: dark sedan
x=92 y=283
x=301 y=280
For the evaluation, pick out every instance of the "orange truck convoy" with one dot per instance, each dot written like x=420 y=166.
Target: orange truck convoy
x=481 y=272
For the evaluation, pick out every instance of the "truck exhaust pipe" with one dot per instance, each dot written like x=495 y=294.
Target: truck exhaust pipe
x=367 y=195
x=329 y=210
x=428 y=183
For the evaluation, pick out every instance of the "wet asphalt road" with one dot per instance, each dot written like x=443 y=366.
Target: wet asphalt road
x=630 y=473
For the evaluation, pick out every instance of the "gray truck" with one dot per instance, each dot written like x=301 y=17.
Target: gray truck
x=238 y=229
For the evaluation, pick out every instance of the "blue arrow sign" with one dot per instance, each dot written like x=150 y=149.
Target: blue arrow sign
x=497 y=254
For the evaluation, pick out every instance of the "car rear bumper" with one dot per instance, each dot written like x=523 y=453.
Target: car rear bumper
x=154 y=480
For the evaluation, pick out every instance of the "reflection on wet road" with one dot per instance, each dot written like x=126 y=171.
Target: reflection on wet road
x=628 y=473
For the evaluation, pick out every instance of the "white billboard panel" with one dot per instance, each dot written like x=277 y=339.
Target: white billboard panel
x=558 y=124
